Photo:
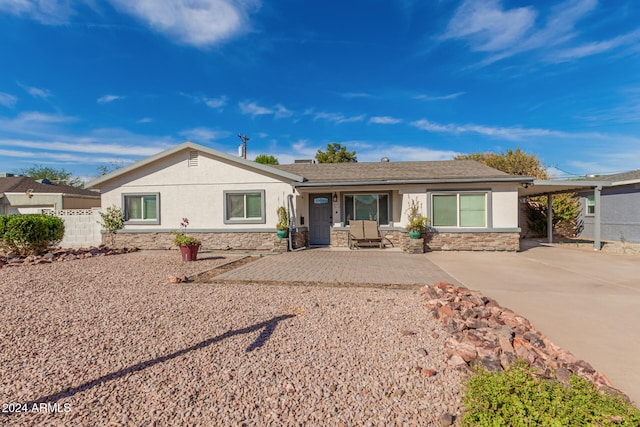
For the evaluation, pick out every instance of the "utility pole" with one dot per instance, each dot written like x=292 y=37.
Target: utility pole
x=244 y=144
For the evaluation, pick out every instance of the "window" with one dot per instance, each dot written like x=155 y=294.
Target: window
x=142 y=208
x=459 y=210
x=591 y=205
x=244 y=207
x=367 y=206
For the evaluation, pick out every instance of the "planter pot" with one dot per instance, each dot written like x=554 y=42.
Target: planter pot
x=189 y=252
x=414 y=234
x=282 y=233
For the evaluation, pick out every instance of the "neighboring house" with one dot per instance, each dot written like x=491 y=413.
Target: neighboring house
x=619 y=208
x=21 y=194
x=231 y=202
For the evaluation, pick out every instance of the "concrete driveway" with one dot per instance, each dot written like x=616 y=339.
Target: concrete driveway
x=585 y=301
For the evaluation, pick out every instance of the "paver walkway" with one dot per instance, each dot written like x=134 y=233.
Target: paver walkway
x=338 y=266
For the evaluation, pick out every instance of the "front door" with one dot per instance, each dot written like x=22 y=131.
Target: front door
x=320 y=219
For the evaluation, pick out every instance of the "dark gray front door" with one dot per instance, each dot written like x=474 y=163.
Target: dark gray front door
x=320 y=219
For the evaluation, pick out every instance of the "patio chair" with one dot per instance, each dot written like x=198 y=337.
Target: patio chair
x=356 y=233
x=372 y=235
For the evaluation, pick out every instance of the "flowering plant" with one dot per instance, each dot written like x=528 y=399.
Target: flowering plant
x=179 y=237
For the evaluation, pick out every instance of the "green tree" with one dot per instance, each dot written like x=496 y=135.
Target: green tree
x=266 y=159
x=517 y=162
x=512 y=162
x=57 y=176
x=336 y=153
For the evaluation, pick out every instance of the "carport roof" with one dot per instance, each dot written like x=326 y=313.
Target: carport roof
x=541 y=187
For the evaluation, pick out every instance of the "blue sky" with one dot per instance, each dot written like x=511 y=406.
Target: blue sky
x=85 y=83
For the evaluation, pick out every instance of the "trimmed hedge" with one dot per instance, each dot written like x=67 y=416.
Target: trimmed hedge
x=30 y=234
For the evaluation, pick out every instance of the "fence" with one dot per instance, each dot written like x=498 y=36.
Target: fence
x=81 y=227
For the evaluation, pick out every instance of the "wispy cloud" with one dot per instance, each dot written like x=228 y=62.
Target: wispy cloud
x=509 y=133
x=49 y=12
x=8 y=100
x=204 y=134
x=385 y=120
x=351 y=95
x=145 y=120
x=425 y=97
x=82 y=146
x=338 y=118
x=216 y=103
x=252 y=109
x=108 y=98
x=501 y=33
x=197 y=23
x=36 y=92
x=401 y=153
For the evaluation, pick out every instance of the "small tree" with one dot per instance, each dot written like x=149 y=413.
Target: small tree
x=57 y=176
x=266 y=159
x=112 y=221
x=336 y=153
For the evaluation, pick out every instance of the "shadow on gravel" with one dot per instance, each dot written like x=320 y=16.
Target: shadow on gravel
x=267 y=330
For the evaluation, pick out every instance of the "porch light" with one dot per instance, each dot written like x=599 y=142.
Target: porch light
x=335 y=198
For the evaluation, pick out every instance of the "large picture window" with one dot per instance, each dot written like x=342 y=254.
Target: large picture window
x=367 y=206
x=244 y=207
x=459 y=210
x=142 y=208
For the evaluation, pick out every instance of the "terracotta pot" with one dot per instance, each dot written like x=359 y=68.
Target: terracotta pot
x=189 y=252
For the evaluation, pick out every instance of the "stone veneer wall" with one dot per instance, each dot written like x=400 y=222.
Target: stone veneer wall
x=435 y=241
x=261 y=241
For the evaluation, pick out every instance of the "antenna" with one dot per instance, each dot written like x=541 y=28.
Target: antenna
x=244 y=144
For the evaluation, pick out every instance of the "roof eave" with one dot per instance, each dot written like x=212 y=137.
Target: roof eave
x=509 y=179
x=185 y=145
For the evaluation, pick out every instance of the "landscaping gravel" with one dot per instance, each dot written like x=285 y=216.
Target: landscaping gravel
x=108 y=341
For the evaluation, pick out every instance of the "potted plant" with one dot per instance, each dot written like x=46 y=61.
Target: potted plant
x=417 y=223
x=188 y=245
x=282 y=227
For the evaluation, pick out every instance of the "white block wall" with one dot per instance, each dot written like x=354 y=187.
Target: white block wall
x=81 y=227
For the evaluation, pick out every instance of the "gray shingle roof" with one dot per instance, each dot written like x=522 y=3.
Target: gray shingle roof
x=20 y=184
x=394 y=171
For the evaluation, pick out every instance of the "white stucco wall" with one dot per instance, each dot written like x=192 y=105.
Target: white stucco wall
x=196 y=192
x=505 y=207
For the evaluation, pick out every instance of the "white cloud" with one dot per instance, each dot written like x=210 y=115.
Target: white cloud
x=509 y=133
x=252 y=109
x=402 y=153
x=216 y=103
x=439 y=98
x=36 y=92
x=338 y=118
x=384 y=120
x=194 y=22
x=49 y=12
x=145 y=120
x=351 y=95
x=204 y=134
x=502 y=33
x=63 y=157
x=82 y=146
x=7 y=100
x=108 y=98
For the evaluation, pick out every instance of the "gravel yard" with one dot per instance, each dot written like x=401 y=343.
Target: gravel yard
x=111 y=342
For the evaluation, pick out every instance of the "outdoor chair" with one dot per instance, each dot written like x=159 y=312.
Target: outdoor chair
x=364 y=233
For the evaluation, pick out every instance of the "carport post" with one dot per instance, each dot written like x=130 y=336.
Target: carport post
x=596 y=218
x=550 y=217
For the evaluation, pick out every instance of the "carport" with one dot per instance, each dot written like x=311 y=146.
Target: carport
x=551 y=187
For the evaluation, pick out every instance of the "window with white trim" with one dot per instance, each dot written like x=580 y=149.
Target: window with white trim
x=459 y=210
x=367 y=206
x=591 y=206
x=141 y=208
x=244 y=207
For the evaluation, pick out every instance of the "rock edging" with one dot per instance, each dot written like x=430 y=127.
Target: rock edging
x=61 y=254
x=494 y=337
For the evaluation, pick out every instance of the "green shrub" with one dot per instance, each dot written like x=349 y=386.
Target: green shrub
x=519 y=397
x=112 y=221
x=30 y=233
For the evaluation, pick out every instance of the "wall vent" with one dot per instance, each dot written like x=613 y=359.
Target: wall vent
x=193 y=159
